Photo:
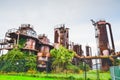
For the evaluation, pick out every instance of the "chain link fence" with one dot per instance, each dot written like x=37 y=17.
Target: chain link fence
x=115 y=72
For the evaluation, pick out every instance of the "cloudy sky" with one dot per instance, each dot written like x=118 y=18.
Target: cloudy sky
x=44 y=15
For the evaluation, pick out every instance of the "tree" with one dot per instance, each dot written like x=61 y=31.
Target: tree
x=61 y=58
x=30 y=62
x=12 y=61
x=17 y=61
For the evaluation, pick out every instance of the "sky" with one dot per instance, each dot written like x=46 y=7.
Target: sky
x=45 y=15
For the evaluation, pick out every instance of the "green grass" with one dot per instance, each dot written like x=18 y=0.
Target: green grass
x=91 y=75
x=10 y=77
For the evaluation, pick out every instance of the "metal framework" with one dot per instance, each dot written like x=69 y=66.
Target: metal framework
x=40 y=44
x=32 y=42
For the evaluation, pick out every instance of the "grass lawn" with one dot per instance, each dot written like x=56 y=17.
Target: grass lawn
x=10 y=77
x=91 y=75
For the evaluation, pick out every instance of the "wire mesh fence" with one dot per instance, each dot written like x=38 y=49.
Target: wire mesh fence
x=115 y=72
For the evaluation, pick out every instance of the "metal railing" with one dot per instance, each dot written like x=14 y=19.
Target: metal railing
x=3 y=41
x=13 y=30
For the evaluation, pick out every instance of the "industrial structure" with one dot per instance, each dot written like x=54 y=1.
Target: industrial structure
x=27 y=39
x=104 y=44
x=89 y=53
x=61 y=35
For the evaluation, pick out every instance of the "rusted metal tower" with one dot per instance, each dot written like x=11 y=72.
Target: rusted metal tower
x=61 y=36
x=43 y=56
x=27 y=39
x=78 y=49
x=104 y=46
x=89 y=53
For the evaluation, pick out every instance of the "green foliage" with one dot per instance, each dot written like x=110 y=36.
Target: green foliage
x=61 y=58
x=12 y=61
x=77 y=69
x=30 y=62
x=17 y=61
x=92 y=71
x=22 y=42
x=71 y=78
x=82 y=66
x=117 y=62
x=72 y=68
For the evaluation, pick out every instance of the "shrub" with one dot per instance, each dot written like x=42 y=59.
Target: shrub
x=17 y=61
x=61 y=58
x=73 y=68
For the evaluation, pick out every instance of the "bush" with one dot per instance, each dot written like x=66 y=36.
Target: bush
x=73 y=68
x=71 y=78
x=32 y=71
x=61 y=58
x=17 y=61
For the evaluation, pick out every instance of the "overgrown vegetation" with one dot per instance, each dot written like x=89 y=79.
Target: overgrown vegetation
x=62 y=61
x=17 y=61
x=117 y=62
x=22 y=42
x=62 y=57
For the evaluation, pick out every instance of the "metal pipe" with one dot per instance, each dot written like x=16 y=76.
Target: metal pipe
x=111 y=35
x=98 y=57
